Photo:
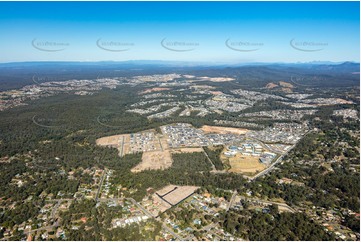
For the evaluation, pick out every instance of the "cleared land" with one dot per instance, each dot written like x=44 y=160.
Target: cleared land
x=146 y=141
x=217 y=79
x=187 y=150
x=245 y=164
x=155 y=89
x=201 y=87
x=166 y=189
x=161 y=205
x=154 y=160
x=343 y=101
x=216 y=92
x=223 y=130
x=286 y=84
x=170 y=195
x=271 y=85
x=175 y=194
x=113 y=140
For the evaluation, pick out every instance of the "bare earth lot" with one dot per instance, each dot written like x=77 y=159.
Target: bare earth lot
x=223 y=130
x=113 y=140
x=170 y=195
x=174 y=194
x=187 y=150
x=155 y=89
x=217 y=79
x=161 y=205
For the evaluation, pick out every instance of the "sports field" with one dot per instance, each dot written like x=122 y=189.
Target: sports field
x=245 y=164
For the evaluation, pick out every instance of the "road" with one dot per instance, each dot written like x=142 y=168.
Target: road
x=55 y=209
x=160 y=144
x=213 y=166
x=210 y=226
x=232 y=200
x=268 y=169
x=271 y=167
x=42 y=228
x=60 y=199
x=283 y=205
x=279 y=159
x=122 y=147
x=114 y=199
x=100 y=186
x=219 y=172
x=141 y=207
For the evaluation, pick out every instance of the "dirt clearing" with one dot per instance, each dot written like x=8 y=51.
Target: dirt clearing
x=155 y=89
x=154 y=160
x=175 y=194
x=217 y=79
x=187 y=150
x=223 y=130
x=113 y=141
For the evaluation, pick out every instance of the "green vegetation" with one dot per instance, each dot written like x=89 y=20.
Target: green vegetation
x=214 y=155
x=353 y=223
x=322 y=163
x=272 y=226
x=187 y=169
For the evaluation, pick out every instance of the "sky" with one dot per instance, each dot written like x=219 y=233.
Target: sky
x=212 y=32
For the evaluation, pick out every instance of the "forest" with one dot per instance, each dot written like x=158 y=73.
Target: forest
x=273 y=226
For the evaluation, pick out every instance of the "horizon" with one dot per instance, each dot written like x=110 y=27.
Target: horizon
x=210 y=32
x=194 y=63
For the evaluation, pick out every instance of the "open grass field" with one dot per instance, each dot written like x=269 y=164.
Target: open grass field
x=245 y=164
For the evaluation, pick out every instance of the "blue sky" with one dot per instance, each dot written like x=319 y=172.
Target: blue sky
x=231 y=32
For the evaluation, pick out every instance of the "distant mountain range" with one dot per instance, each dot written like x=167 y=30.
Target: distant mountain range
x=17 y=74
